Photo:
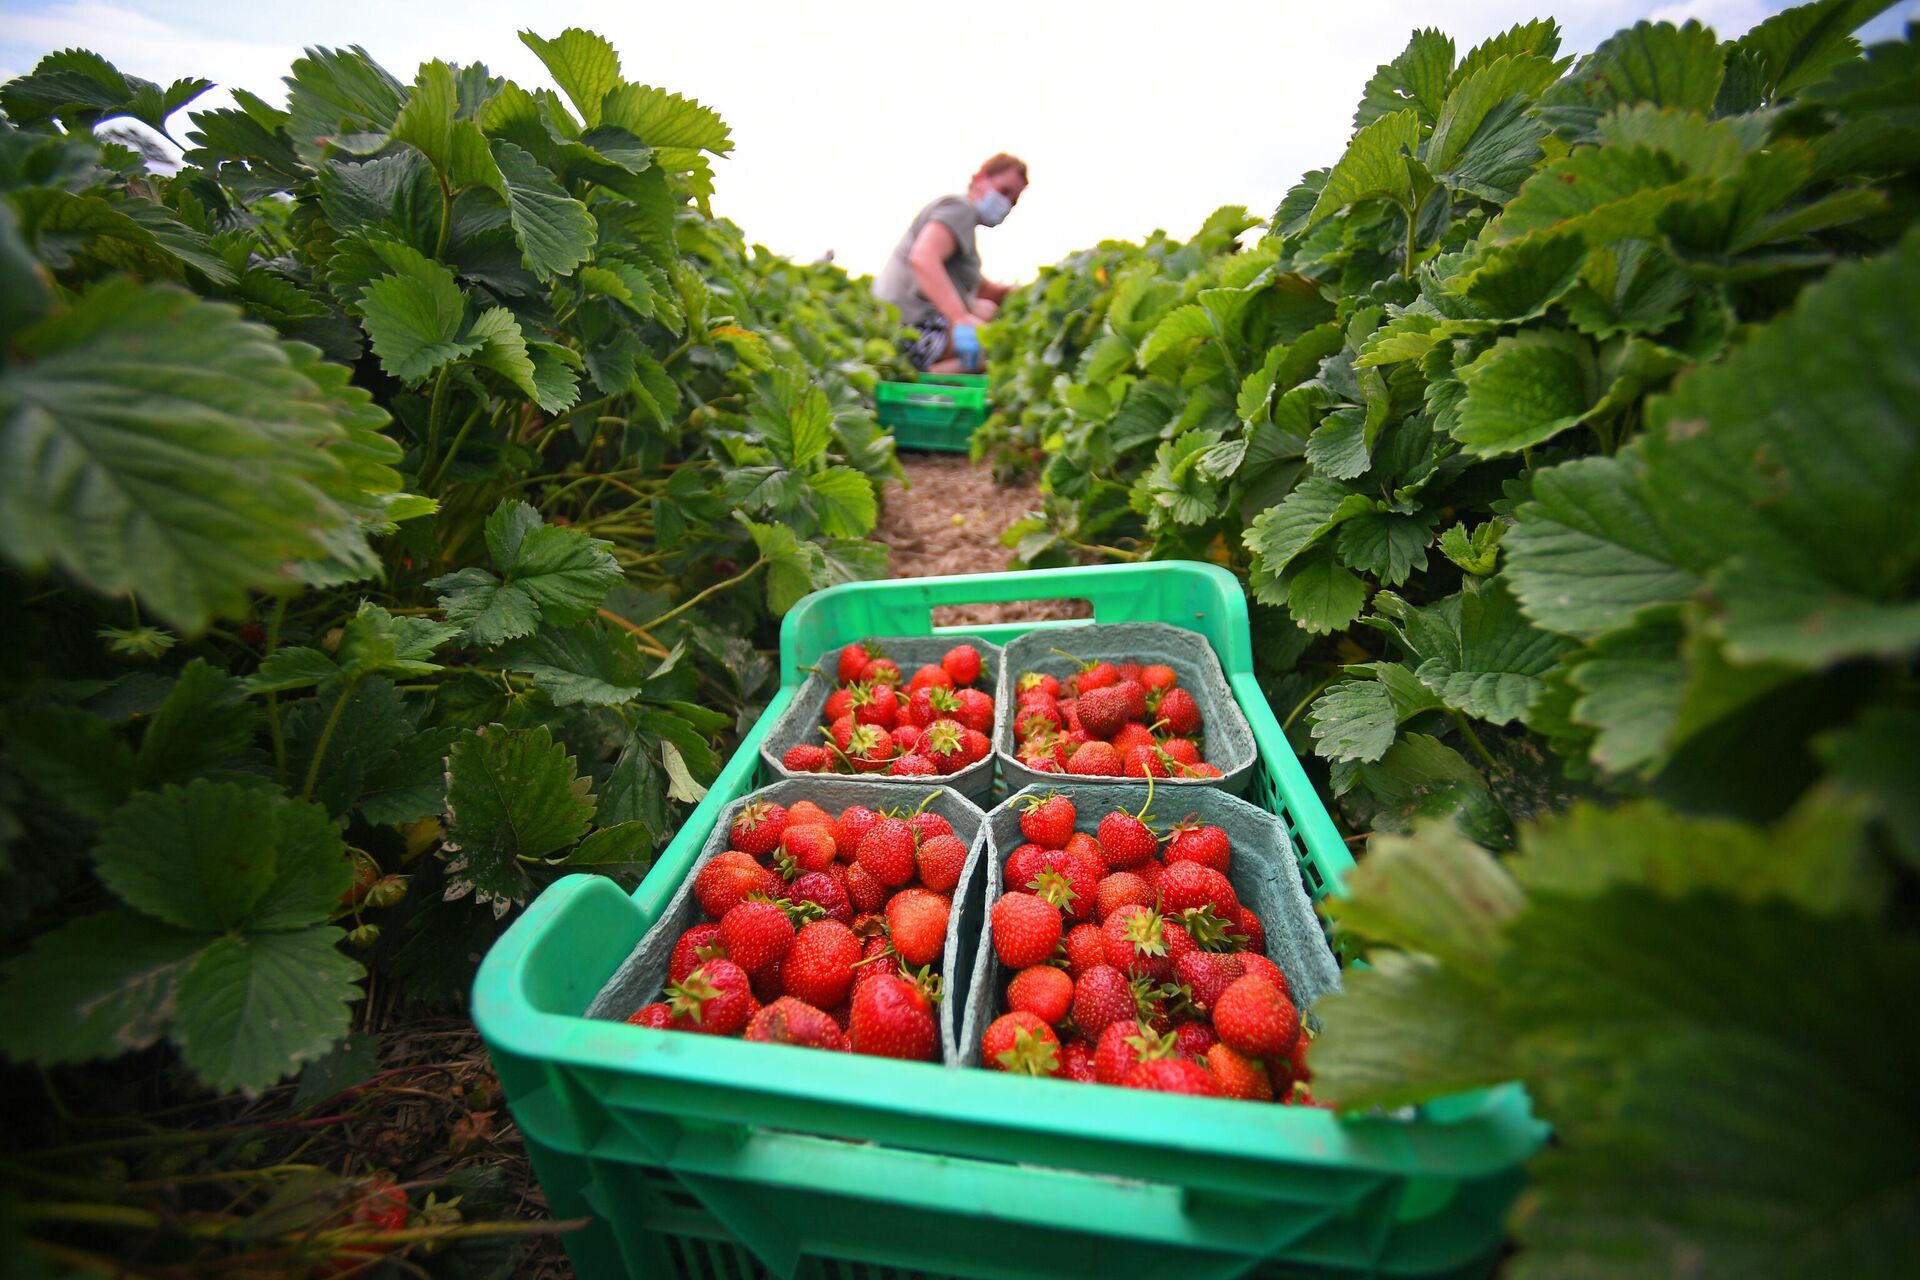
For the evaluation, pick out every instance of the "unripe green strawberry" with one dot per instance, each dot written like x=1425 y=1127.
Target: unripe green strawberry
x=1255 y=1017
x=1026 y=929
x=1021 y=1043
x=886 y=852
x=1043 y=991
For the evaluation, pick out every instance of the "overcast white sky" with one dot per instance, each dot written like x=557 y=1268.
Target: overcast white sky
x=847 y=117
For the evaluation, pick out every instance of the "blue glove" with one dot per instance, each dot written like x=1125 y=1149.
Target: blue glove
x=966 y=345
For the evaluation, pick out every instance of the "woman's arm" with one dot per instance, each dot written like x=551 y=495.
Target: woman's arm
x=994 y=292
x=928 y=258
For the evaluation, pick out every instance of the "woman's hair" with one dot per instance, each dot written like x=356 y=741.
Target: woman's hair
x=1000 y=162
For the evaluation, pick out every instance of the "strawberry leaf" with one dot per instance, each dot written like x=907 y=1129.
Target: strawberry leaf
x=512 y=795
x=100 y=986
x=546 y=574
x=254 y=1007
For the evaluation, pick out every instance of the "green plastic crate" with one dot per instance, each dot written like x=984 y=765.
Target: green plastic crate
x=937 y=413
x=718 y=1158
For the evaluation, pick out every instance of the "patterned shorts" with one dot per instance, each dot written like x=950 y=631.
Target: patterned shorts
x=930 y=346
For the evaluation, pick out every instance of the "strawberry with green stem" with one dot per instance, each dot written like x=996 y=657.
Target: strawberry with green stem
x=1021 y=1043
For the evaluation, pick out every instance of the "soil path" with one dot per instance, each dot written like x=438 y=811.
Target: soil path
x=949 y=521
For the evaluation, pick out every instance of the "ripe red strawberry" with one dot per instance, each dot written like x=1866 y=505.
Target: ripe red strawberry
x=1101 y=996
x=929 y=676
x=1123 y=1046
x=1082 y=875
x=930 y=704
x=1118 y=889
x=1095 y=759
x=1180 y=712
x=1084 y=846
x=1157 y=678
x=1130 y=735
x=805 y=757
x=1253 y=962
x=808 y=848
x=892 y=1018
x=927 y=824
x=1021 y=1043
x=976 y=710
x=824 y=891
x=1181 y=750
x=917 y=923
x=1238 y=1075
x=757 y=935
x=1127 y=670
x=854 y=659
x=656 y=1015
x=886 y=852
x=906 y=738
x=1048 y=820
x=803 y=813
x=850 y=827
x=875 y=704
x=1031 y=681
x=1023 y=866
x=791 y=1021
x=1151 y=873
x=728 y=879
x=819 y=968
x=1191 y=884
x=1086 y=947
x=1247 y=930
x=881 y=671
x=1042 y=753
x=1206 y=845
x=869 y=748
x=839 y=706
x=695 y=947
x=912 y=766
x=944 y=742
x=1044 y=991
x=863 y=890
x=1095 y=675
x=1206 y=974
x=1026 y=928
x=1137 y=944
x=1127 y=841
x=941 y=859
x=975 y=746
x=1144 y=762
x=1194 y=1039
x=1255 y=1017
x=1134 y=696
x=1076 y=1062
x=768 y=984
x=1201 y=770
x=962 y=662
x=1103 y=711
x=757 y=827
x=1174 y=1075
x=716 y=999
x=1033 y=718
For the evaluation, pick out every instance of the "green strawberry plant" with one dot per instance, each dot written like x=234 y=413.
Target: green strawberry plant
x=1566 y=432
x=398 y=493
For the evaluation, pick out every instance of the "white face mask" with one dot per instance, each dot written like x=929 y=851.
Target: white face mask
x=992 y=207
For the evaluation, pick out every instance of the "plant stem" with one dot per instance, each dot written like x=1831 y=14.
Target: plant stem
x=453 y=449
x=1473 y=740
x=1301 y=705
x=326 y=737
x=436 y=417
x=273 y=699
x=713 y=590
x=640 y=633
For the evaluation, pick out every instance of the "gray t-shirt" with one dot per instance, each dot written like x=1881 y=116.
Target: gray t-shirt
x=895 y=283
